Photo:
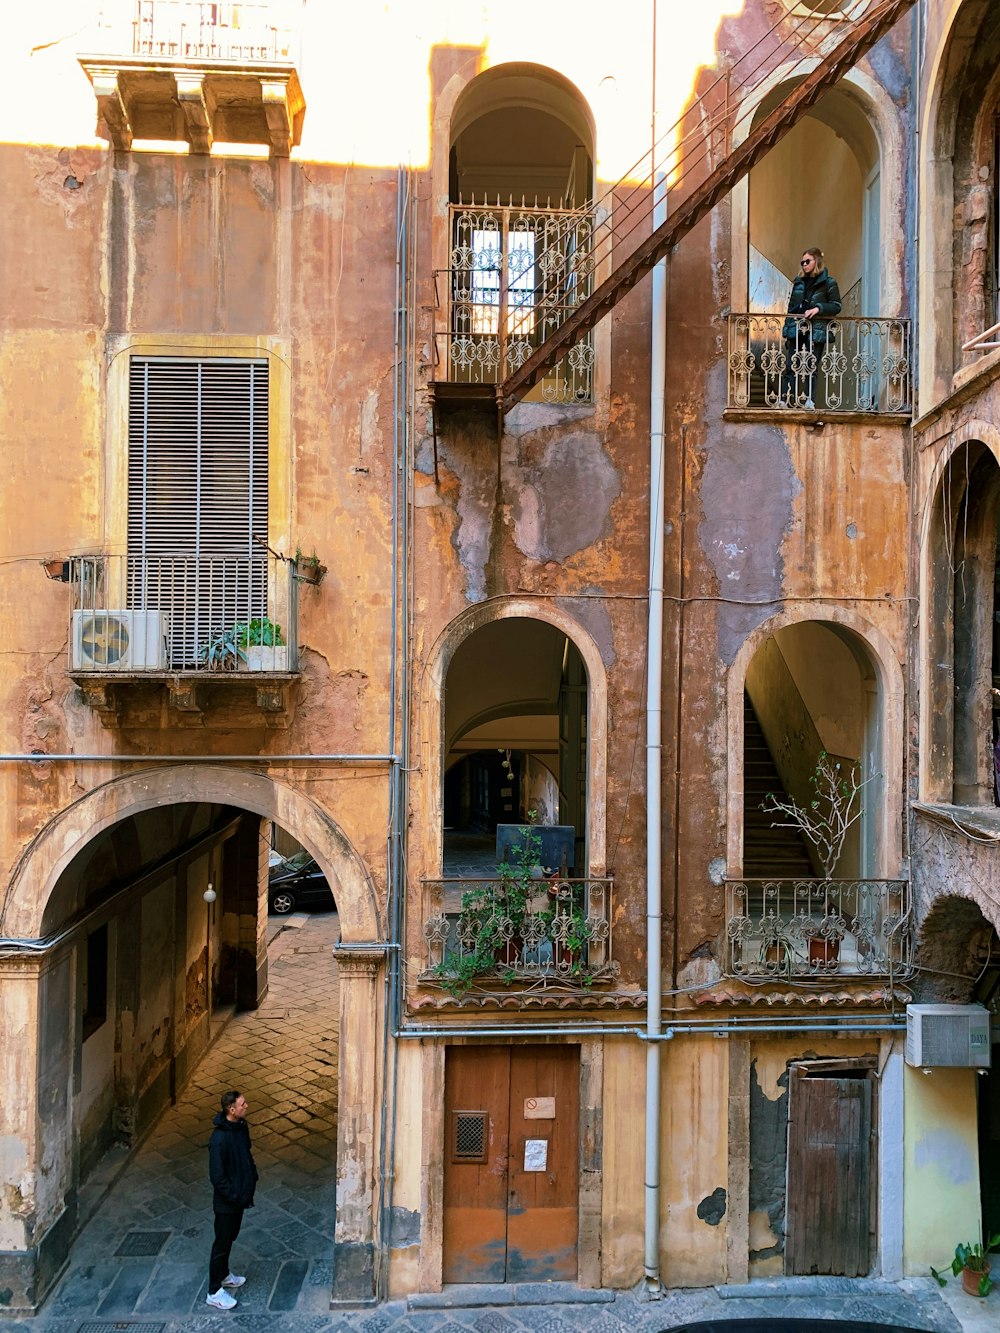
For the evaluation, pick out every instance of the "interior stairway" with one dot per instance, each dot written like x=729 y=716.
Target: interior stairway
x=768 y=853
x=859 y=38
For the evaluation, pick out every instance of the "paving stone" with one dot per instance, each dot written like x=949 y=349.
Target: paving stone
x=126 y=1289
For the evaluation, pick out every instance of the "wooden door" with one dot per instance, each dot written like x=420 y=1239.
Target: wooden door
x=511 y=1163
x=828 y=1205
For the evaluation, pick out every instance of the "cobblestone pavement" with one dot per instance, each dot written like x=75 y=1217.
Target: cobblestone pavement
x=144 y=1253
x=139 y=1265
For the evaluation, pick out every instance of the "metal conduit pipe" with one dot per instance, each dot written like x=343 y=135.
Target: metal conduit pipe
x=691 y=1029
x=200 y=758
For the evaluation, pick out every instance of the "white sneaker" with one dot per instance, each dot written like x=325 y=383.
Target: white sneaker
x=220 y=1299
x=233 y=1280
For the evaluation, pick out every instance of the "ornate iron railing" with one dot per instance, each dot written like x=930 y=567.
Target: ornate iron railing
x=481 y=932
x=217 y=613
x=818 y=928
x=516 y=274
x=834 y=365
x=243 y=31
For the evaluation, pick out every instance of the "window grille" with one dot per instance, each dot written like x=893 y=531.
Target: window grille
x=469 y=1136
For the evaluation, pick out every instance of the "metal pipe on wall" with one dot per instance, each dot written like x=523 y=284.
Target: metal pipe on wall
x=654 y=725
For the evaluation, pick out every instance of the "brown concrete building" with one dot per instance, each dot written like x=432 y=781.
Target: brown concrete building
x=313 y=524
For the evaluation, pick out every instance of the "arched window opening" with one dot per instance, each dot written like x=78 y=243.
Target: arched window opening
x=811 y=900
x=521 y=189
x=968 y=579
x=516 y=906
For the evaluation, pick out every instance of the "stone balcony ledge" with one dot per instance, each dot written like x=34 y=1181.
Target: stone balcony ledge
x=198 y=102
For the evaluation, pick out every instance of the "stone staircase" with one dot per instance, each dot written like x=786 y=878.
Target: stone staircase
x=768 y=853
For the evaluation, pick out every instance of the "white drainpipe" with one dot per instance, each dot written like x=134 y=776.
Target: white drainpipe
x=654 y=742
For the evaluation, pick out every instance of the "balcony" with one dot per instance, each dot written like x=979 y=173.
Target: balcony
x=516 y=275
x=202 y=72
x=482 y=938
x=186 y=621
x=864 y=366
x=816 y=929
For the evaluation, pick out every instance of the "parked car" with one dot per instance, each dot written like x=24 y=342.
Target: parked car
x=298 y=882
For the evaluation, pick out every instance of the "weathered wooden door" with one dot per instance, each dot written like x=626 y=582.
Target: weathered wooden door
x=828 y=1208
x=511 y=1163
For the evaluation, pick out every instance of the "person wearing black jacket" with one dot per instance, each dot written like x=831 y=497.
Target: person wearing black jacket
x=815 y=297
x=234 y=1178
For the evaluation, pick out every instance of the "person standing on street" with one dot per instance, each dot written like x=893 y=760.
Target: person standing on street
x=234 y=1179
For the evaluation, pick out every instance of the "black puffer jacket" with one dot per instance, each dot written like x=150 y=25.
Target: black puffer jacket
x=818 y=290
x=231 y=1166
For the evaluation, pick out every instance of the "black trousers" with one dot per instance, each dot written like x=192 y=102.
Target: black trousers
x=227 y=1228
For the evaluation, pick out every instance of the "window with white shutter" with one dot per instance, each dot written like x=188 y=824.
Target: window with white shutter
x=198 y=494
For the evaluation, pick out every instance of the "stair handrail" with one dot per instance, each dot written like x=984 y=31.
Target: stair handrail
x=674 y=165
x=703 y=199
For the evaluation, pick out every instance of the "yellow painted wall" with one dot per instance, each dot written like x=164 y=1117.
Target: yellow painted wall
x=941 y=1206
x=694 y=1149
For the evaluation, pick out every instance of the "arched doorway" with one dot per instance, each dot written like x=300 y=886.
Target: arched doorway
x=835 y=147
x=963 y=578
x=818 y=769
x=141 y=909
x=516 y=705
x=520 y=185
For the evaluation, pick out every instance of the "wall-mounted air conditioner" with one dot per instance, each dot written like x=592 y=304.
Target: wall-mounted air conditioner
x=119 y=640
x=956 y=1035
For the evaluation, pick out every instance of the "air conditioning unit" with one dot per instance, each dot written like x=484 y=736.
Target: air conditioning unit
x=120 y=640
x=954 y=1035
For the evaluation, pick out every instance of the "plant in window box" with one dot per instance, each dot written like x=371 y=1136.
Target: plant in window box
x=222 y=652
x=263 y=644
x=308 y=568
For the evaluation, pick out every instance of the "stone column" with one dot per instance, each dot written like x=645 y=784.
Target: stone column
x=37 y=1198
x=357 y=1126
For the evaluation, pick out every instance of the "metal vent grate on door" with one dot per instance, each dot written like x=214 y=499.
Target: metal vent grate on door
x=469 y=1135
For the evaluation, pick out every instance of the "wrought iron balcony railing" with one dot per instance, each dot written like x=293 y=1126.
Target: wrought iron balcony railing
x=847 y=364
x=243 y=32
x=818 y=928
x=482 y=933
x=136 y=615
x=516 y=274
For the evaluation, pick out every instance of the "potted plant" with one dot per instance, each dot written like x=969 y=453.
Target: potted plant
x=263 y=644
x=972 y=1262
x=308 y=568
x=223 y=652
x=825 y=821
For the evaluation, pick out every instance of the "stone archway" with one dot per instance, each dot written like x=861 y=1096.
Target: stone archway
x=38 y=1209
x=51 y=851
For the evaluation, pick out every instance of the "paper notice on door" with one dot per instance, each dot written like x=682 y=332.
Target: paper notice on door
x=536 y=1154
x=539 y=1108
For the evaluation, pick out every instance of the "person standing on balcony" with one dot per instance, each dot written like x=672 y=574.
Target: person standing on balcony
x=234 y=1176
x=815 y=299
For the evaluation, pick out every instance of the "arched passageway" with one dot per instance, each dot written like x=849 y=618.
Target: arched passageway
x=150 y=929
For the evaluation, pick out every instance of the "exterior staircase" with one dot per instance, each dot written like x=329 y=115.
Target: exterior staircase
x=768 y=853
x=860 y=37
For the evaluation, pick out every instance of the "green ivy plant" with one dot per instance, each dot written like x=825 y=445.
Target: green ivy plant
x=485 y=909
